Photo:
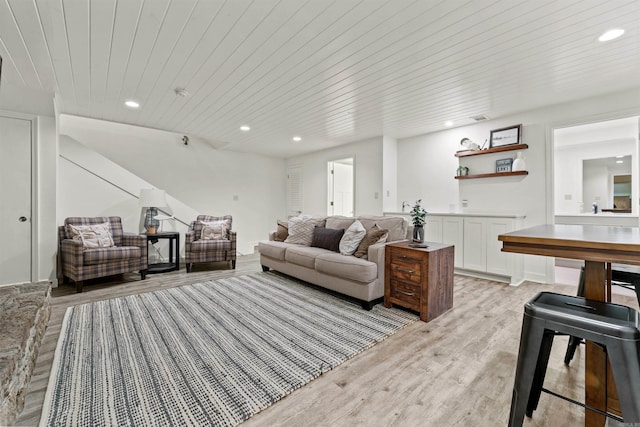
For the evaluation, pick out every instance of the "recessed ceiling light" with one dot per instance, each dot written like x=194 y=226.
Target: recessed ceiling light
x=448 y=123
x=132 y=104
x=619 y=161
x=619 y=157
x=245 y=128
x=611 y=34
x=296 y=138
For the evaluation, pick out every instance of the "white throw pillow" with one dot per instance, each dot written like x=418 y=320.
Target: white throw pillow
x=92 y=236
x=352 y=238
x=215 y=230
x=301 y=229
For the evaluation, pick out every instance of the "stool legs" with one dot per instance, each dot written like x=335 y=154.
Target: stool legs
x=541 y=370
x=531 y=339
x=625 y=365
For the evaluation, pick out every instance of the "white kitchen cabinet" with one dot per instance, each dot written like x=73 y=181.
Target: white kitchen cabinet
x=478 y=252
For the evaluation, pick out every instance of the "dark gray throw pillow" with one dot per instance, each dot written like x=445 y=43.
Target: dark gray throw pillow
x=327 y=238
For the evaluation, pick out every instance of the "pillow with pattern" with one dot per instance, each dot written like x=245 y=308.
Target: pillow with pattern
x=301 y=229
x=215 y=230
x=92 y=236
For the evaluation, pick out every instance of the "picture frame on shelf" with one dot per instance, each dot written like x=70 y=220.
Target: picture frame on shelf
x=504 y=165
x=511 y=135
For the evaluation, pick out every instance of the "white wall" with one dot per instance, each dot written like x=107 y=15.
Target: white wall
x=367 y=156
x=427 y=165
x=389 y=173
x=249 y=187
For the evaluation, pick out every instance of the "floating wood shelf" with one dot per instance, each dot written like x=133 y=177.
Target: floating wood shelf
x=492 y=150
x=492 y=175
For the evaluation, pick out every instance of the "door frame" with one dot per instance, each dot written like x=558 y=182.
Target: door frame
x=330 y=180
x=33 y=218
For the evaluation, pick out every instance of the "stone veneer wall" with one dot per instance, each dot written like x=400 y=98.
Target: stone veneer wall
x=24 y=315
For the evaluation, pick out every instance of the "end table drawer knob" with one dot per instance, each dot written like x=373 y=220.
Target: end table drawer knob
x=404 y=270
x=409 y=294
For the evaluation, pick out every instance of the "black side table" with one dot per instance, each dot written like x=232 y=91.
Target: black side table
x=174 y=255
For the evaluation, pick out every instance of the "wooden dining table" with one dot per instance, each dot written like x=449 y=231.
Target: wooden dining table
x=598 y=246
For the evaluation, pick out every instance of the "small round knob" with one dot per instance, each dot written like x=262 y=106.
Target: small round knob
x=22 y=219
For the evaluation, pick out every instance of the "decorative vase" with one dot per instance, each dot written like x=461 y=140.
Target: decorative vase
x=418 y=233
x=518 y=163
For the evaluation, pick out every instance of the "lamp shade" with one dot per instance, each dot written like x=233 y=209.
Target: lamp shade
x=152 y=197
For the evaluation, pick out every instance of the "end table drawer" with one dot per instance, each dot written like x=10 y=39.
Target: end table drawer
x=408 y=270
x=407 y=293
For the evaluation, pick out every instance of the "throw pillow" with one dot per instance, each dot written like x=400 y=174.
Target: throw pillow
x=327 y=238
x=282 y=232
x=373 y=236
x=215 y=230
x=301 y=229
x=352 y=238
x=92 y=236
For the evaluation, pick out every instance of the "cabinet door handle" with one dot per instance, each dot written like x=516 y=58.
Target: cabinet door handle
x=409 y=294
x=404 y=270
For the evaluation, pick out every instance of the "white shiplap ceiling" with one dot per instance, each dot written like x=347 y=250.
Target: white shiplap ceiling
x=331 y=72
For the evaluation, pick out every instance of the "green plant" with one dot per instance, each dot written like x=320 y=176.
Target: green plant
x=418 y=214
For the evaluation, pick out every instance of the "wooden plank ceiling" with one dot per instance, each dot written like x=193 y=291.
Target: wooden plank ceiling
x=328 y=71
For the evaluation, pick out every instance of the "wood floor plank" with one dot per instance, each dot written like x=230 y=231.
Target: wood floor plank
x=457 y=370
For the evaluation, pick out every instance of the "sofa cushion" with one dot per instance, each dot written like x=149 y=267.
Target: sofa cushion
x=326 y=238
x=106 y=255
x=301 y=229
x=352 y=238
x=347 y=267
x=339 y=222
x=273 y=249
x=373 y=236
x=282 y=232
x=396 y=225
x=304 y=256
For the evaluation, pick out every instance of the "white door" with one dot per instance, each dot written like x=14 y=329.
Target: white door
x=294 y=190
x=15 y=200
x=340 y=184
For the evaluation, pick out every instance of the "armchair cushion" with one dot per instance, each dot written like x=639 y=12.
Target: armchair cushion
x=103 y=255
x=210 y=245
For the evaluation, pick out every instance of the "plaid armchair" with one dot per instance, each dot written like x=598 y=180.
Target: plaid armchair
x=199 y=250
x=79 y=264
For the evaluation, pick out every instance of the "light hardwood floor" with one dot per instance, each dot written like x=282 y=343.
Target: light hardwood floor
x=454 y=371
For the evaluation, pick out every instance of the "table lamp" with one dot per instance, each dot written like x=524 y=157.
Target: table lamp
x=152 y=199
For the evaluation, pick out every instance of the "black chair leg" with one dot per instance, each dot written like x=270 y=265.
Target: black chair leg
x=574 y=342
x=188 y=267
x=79 y=285
x=541 y=370
x=265 y=268
x=233 y=264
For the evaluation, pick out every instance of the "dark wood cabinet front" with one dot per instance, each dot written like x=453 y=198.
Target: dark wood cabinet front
x=420 y=279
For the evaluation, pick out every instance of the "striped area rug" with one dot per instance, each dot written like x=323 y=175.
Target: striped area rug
x=211 y=353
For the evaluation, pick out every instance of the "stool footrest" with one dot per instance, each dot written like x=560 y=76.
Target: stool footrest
x=584 y=405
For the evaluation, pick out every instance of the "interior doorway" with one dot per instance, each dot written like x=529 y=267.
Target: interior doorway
x=15 y=193
x=340 y=200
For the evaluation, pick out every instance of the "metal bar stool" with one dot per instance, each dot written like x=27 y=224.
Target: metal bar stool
x=613 y=326
x=622 y=278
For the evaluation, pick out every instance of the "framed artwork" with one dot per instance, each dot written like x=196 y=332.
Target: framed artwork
x=506 y=136
x=504 y=165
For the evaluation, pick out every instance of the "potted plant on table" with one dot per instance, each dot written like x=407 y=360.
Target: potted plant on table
x=418 y=217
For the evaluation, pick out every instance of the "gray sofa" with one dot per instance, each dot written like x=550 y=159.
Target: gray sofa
x=359 y=278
